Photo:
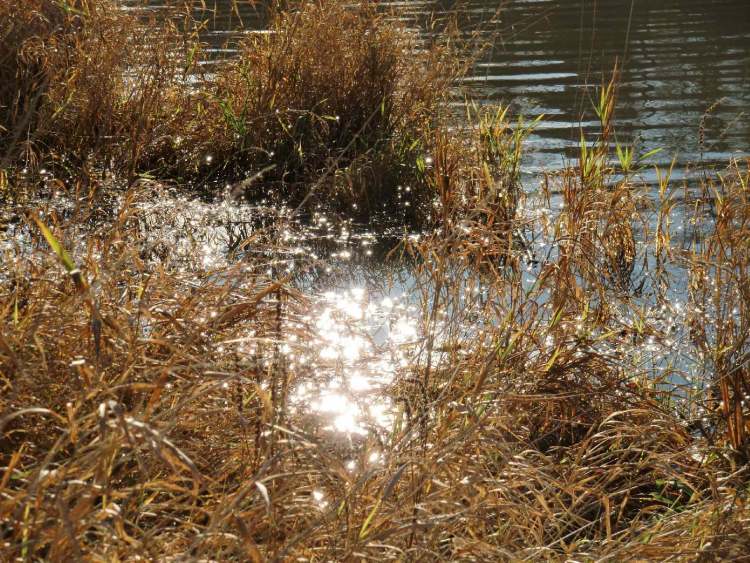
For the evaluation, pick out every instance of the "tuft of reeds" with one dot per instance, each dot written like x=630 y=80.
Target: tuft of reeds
x=328 y=85
x=720 y=301
x=86 y=86
x=334 y=103
x=555 y=404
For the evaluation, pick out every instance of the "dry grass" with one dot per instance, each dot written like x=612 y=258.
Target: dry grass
x=557 y=405
x=146 y=412
x=334 y=104
x=331 y=91
x=720 y=296
x=82 y=85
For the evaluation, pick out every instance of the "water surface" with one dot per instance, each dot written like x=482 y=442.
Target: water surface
x=685 y=67
x=684 y=88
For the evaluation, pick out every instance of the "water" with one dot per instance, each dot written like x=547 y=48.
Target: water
x=684 y=88
x=678 y=59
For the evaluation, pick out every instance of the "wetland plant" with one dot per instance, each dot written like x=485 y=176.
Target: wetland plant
x=554 y=397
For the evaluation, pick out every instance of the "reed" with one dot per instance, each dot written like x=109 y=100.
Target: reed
x=334 y=104
x=558 y=403
x=719 y=269
x=146 y=409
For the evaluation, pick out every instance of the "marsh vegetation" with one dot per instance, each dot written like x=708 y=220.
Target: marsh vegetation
x=293 y=305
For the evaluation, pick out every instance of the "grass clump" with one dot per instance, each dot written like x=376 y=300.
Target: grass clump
x=333 y=104
x=332 y=88
x=720 y=293
x=152 y=347
x=79 y=85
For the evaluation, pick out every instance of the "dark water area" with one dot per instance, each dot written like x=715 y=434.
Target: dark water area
x=684 y=63
x=678 y=59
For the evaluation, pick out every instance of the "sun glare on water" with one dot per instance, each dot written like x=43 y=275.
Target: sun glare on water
x=357 y=349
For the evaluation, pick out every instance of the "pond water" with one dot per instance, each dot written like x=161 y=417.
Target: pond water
x=679 y=58
x=685 y=89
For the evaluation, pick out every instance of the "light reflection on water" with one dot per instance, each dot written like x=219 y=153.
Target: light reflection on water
x=361 y=340
x=357 y=332
x=359 y=335
x=363 y=335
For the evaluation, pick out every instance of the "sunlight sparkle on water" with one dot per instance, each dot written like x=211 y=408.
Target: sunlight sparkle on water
x=356 y=350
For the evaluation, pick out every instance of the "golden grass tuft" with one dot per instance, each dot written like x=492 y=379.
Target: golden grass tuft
x=145 y=397
x=335 y=103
